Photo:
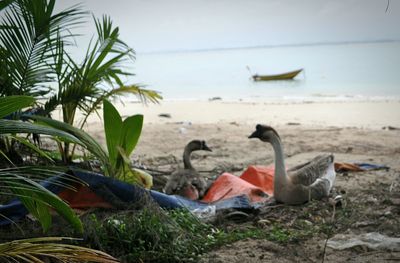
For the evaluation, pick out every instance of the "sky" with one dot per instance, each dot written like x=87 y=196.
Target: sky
x=185 y=25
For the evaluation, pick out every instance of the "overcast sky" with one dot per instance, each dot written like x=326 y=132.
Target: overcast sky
x=172 y=25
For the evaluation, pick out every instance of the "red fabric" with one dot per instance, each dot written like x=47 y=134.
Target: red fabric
x=347 y=167
x=83 y=197
x=256 y=182
x=261 y=176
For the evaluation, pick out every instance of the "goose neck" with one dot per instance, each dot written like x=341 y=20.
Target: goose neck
x=186 y=158
x=280 y=169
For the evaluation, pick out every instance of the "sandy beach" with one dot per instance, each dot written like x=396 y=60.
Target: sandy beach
x=352 y=131
x=361 y=114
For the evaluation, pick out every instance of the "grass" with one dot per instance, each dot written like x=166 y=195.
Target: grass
x=154 y=235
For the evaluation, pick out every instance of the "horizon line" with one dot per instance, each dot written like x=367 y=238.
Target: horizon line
x=330 y=43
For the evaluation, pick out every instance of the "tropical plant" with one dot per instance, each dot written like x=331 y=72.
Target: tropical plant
x=36 y=250
x=121 y=138
x=32 y=53
x=37 y=199
x=81 y=86
x=29 y=32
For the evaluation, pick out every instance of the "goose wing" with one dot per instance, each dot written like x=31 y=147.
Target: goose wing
x=200 y=183
x=177 y=181
x=308 y=173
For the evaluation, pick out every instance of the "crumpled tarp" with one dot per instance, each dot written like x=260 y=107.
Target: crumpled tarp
x=257 y=182
x=105 y=192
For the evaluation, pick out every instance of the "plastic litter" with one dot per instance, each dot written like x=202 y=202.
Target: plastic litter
x=256 y=183
x=358 y=167
x=205 y=212
x=373 y=240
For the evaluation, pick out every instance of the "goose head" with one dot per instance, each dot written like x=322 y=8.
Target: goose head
x=264 y=132
x=198 y=145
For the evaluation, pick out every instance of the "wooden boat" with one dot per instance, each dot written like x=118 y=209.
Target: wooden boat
x=283 y=76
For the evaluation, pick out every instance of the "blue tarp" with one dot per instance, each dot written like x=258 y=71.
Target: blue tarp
x=124 y=192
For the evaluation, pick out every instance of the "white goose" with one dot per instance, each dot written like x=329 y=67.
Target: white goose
x=312 y=180
x=188 y=182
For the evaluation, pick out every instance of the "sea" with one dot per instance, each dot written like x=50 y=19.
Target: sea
x=331 y=72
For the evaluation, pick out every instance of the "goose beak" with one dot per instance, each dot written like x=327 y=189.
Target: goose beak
x=255 y=134
x=206 y=148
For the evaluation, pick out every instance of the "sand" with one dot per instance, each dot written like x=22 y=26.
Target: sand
x=352 y=131
x=366 y=114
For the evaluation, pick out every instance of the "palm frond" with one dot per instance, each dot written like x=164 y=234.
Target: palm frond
x=32 y=146
x=38 y=199
x=83 y=138
x=27 y=36
x=13 y=127
x=35 y=250
x=12 y=104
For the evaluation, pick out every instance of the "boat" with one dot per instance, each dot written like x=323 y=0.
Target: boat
x=283 y=76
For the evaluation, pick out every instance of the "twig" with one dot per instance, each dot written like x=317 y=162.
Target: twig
x=330 y=232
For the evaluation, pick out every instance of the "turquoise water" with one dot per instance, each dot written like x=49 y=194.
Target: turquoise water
x=346 y=71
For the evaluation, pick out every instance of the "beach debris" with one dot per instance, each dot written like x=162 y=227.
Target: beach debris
x=372 y=240
x=205 y=212
x=293 y=123
x=164 y=115
x=185 y=123
x=358 y=167
x=214 y=98
x=182 y=130
x=390 y=128
x=336 y=201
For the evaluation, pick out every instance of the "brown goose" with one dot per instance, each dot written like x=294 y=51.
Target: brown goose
x=312 y=180
x=188 y=182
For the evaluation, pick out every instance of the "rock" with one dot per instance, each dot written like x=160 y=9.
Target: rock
x=164 y=115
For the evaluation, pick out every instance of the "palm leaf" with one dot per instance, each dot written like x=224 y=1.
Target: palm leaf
x=12 y=104
x=13 y=127
x=33 y=147
x=38 y=199
x=82 y=137
x=28 y=33
x=34 y=250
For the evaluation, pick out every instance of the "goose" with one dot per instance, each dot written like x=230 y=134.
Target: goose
x=311 y=180
x=188 y=182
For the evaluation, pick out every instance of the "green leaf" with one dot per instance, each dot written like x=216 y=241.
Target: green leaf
x=5 y=3
x=82 y=138
x=29 y=30
x=12 y=104
x=38 y=199
x=113 y=130
x=33 y=147
x=131 y=130
x=12 y=127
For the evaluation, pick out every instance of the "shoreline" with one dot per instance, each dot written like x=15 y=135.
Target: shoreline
x=366 y=114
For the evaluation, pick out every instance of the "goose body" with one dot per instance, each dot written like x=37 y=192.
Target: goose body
x=311 y=180
x=188 y=182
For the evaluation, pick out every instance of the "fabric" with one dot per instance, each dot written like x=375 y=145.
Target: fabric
x=256 y=183
x=99 y=191
x=358 y=167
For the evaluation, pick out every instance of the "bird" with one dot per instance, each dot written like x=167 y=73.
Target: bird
x=188 y=182
x=311 y=180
